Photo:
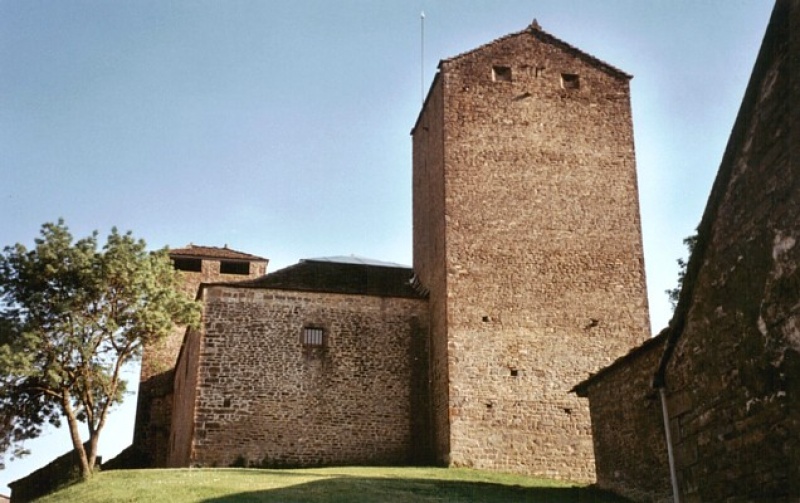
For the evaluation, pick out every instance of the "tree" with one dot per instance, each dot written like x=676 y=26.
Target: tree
x=675 y=293
x=71 y=317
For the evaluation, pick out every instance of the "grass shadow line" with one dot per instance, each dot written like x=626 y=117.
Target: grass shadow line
x=348 y=489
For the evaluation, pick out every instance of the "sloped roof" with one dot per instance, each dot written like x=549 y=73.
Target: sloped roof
x=581 y=389
x=537 y=31
x=213 y=252
x=329 y=276
x=355 y=259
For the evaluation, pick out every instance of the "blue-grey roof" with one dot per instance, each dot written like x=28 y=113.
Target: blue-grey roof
x=354 y=259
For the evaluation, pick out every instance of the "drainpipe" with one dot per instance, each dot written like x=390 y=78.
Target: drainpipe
x=676 y=495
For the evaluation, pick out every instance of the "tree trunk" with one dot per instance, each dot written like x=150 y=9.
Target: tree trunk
x=91 y=456
x=74 y=433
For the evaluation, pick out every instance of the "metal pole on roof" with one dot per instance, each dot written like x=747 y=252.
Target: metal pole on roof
x=422 y=56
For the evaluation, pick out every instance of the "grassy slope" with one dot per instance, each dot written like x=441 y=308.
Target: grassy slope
x=329 y=485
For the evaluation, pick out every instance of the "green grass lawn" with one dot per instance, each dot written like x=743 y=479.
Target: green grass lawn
x=328 y=485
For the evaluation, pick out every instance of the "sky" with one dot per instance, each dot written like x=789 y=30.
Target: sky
x=281 y=128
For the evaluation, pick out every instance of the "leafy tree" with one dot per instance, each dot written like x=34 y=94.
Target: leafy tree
x=71 y=316
x=675 y=293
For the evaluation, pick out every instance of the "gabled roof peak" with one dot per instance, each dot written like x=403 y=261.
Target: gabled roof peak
x=535 y=29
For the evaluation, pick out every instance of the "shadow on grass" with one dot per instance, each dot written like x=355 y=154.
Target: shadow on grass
x=345 y=489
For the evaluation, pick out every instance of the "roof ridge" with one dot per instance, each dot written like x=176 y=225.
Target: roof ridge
x=356 y=260
x=216 y=251
x=334 y=277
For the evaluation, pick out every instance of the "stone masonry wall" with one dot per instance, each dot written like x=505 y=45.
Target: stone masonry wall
x=61 y=472
x=627 y=427
x=543 y=257
x=263 y=398
x=161 y=357
x=183 y=402
x=731 y=363
x=429 y=259
x=154 y=400
x=734 y=377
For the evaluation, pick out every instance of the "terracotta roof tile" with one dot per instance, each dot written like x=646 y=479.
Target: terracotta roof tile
x=213 y=252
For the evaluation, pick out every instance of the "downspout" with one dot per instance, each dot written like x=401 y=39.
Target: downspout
x=777 y=30
x=673 y=476
x=674 y=330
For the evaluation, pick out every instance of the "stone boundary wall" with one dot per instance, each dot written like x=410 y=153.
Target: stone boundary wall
x=60 y=472
x=627 y=426
x=731 y=359
x=734 y=377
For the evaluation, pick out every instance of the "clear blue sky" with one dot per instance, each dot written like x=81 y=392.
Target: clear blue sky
x=282 y=128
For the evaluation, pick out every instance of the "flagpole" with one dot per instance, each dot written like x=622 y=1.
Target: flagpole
x=422 y=56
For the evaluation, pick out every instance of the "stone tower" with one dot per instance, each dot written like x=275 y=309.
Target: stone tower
x=527 y=237
x=198 y=264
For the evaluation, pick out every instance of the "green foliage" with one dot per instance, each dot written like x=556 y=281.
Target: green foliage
x=675 y=293
x=326 y=485
x=71 y=316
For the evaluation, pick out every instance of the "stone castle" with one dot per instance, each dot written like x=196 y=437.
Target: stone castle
x=528 y=277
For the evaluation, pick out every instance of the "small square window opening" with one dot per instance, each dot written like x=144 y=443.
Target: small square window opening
x=570 y=81
x=501 y=73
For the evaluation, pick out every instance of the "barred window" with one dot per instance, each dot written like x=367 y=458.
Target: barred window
x=313 y=336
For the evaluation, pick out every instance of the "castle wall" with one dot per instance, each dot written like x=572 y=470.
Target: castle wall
x=263 y=398
x=627 y=427
x=429 y=254
x=154 y=400
x=61 y=472
x=183 y=395
x=544 y=277
x=732 y=355
x=161 y=357
x=734 y=377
